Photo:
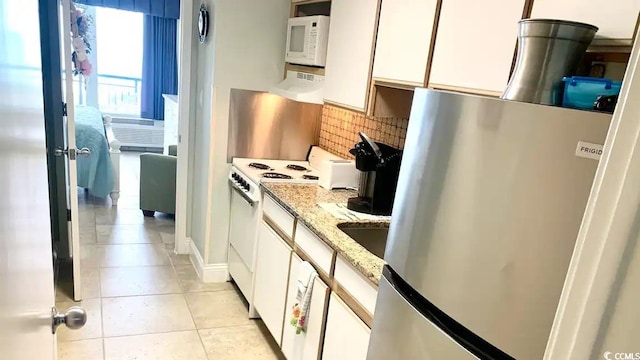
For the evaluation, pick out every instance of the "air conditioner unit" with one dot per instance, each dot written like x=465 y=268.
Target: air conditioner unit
x=139 y=133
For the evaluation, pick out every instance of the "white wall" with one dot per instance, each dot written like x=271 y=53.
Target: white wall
x=249 y=55
x=202 y=83
x=245 y=49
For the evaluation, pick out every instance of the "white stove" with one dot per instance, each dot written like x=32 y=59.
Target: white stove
x=246 y=207
x=277 y=170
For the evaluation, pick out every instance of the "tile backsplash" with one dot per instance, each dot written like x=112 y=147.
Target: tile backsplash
x=339 y=130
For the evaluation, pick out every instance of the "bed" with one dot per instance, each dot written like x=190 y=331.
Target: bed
x=99 y=173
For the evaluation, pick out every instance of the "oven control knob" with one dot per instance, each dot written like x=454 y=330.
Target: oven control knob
x=246 y=186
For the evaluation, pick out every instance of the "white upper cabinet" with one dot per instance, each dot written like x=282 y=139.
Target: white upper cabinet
x=475 y=44
x=616 y=19
x=404 y=40
x=350 y=51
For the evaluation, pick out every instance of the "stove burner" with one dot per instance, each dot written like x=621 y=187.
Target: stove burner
x=274 y=175
x=260 y=166
x=296 y=167
x=310 y=177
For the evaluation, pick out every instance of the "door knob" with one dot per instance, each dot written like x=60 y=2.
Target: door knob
x=74 y=318
x=84 y=152
x=72 y=153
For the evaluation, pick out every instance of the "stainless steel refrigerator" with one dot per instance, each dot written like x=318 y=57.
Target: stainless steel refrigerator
x=490 y=198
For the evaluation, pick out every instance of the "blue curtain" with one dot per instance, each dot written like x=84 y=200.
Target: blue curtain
x=159 y=65
x=161 y=8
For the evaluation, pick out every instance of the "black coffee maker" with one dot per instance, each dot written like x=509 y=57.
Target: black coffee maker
x=379 y=165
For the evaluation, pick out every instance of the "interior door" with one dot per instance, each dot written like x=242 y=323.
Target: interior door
x=70 y=152
x=61 y=170
x=26 y=269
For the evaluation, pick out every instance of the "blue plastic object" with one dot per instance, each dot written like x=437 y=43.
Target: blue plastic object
x=580 y=92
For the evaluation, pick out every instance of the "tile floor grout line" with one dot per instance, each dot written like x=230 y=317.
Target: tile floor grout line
x=104 y=350
x=206 y=353
x=133 y=266
x=187 y=288
x=149 y=333
x=160 y=294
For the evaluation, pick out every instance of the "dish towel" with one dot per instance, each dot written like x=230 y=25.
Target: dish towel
x=300 y=310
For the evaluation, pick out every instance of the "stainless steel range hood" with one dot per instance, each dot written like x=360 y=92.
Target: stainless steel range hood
x=302 y=87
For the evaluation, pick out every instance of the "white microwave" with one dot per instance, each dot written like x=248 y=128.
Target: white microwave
x=307 y=38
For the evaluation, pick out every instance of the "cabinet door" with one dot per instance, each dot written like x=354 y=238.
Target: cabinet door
x=271 y=275
x=350 y=51
x=346 y=336
x=616 y=19
x=305 y=345
x=404 y=40
x=475 y=44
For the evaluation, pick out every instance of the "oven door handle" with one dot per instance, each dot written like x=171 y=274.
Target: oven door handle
x=242 y=194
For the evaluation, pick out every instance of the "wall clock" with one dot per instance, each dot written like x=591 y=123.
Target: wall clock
x=203 y=23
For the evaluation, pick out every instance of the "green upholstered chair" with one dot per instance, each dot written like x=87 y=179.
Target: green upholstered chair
x=158 y=182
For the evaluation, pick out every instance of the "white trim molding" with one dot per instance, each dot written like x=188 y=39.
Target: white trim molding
x=196 y=258
x=215 y=273
x=184 y=115
x=608 y=229
x=208 y=273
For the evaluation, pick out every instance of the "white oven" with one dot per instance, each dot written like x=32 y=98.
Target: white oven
x=246 y=212
x=307 y=39
x=246 y=208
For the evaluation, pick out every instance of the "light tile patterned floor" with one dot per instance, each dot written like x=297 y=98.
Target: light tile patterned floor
x=144 y=302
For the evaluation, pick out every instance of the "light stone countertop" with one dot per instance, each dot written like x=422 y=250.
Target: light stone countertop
x=302 y=201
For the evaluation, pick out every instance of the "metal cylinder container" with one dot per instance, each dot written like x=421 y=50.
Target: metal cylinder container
x=547 y=51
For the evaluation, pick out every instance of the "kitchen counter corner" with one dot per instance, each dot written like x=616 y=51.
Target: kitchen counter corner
x=302 y=200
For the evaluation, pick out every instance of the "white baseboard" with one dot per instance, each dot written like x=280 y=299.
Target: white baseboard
x=215 y=273
x=183 y=244
x=196 y=258
x=209 y=273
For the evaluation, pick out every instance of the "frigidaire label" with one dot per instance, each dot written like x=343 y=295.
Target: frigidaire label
x=589 y=150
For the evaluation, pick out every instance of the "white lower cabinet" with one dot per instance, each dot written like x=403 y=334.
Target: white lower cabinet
x=271 y=275
x=346 y=336
x=306 y=345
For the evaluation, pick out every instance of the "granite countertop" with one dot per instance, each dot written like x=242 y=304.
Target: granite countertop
x=302 y=201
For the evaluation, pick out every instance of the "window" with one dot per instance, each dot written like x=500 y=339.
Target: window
x=114 y=85
x=119 y=37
